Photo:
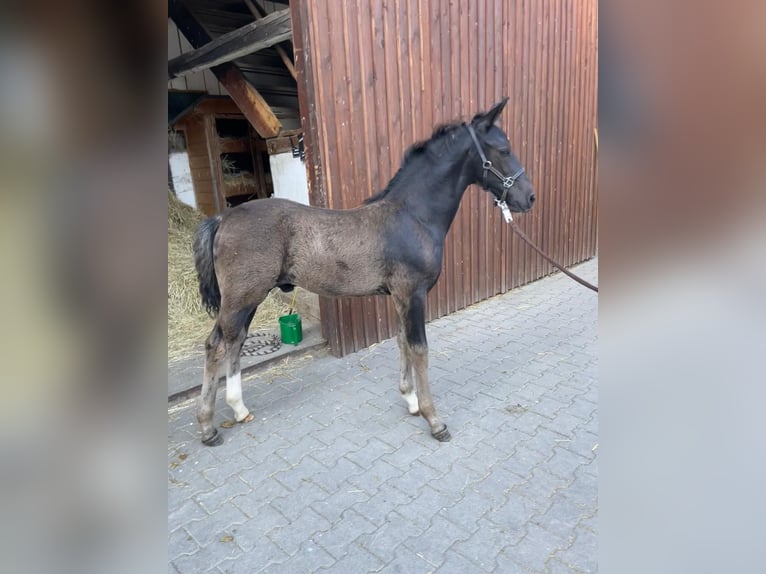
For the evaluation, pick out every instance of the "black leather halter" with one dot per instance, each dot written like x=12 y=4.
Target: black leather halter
x=488 y=167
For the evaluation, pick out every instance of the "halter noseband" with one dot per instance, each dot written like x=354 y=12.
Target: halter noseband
x=488 y=167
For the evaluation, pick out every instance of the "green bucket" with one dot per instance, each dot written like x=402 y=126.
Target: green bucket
x=290 y=329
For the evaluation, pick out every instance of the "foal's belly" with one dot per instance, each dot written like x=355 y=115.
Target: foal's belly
x=340 y=277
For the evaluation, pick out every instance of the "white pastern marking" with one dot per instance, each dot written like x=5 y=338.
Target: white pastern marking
x=412 y=402
x=234 y=396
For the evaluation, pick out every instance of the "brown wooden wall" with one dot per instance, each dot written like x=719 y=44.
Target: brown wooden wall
x=374 y=77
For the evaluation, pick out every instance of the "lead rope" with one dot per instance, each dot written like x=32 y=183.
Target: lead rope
x=509 y=219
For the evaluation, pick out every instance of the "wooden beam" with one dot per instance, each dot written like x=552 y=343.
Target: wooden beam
x=253 y=106
x=253 y=37
x=248 y=100
x=258 y=12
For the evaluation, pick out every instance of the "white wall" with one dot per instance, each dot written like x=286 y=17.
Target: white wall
x=289 y=176
x=182 y=179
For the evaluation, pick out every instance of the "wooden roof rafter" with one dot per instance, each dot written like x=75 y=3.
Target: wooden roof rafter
x=248 y=99
x=262 y=33
x=258 y=12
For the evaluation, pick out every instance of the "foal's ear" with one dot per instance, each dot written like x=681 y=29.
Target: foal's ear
x=486 y=119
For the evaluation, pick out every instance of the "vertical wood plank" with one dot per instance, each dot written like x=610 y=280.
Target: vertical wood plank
x=214 y=157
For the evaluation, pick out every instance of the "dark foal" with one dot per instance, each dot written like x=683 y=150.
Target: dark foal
x=390 y=245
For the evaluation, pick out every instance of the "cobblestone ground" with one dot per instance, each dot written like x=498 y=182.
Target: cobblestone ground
x=334 y=475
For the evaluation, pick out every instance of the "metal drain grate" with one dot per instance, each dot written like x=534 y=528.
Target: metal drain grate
x=258 y=344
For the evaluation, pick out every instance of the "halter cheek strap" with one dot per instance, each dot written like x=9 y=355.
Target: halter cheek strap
x=487 y=166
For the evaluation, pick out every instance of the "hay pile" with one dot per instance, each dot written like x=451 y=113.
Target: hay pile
x=188 y=323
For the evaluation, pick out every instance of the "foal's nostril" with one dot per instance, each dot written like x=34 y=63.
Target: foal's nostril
x=531 y=199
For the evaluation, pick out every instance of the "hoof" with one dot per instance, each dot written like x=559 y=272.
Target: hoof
x=415 y=414
x=443 y=435
x=248 y=419
x=215 y=440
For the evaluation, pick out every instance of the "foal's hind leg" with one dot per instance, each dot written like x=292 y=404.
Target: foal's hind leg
x=233 y=372
x=222 y=350
x=214 y=356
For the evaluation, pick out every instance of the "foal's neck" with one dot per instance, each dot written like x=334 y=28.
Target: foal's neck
x=434 y=190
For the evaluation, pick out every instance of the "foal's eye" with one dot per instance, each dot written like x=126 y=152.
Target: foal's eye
x=505 y=152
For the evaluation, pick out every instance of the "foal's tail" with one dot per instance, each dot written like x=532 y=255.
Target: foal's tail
x=203 y=261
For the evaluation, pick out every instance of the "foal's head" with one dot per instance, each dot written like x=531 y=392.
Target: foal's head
x=500 y=171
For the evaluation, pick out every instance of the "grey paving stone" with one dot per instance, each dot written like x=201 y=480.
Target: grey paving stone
x=533 y=551
x=369 y=453
x=332 y=478
x=213 y=500
x=583 y=490
x=516 y=514
x=583 y=553
x=294 y=453
x=456 y=479
x=426 y=504
x=406 y=562
x=378 y=473
x=455 y=563
x=258 y=549
x=378 y=508
x=207 y=558
x=540 y=485
x=180 y=543
x=335 y=504
x=556 y=566
x=523 y=461
x=290 y=537
x=343 y=532
x=547 y=407
x=184 y=514
x=469 y=510
x=564 y=462
x=357 y=560
x=266 y=515
x=207 y=530
x=484 y=545
x=434 y=542
x=562 y=518
x=265 y=492
x=582 y=443
x=293 y=504
x=296 y=476
x=266 y=471
x=385 y=541
x=310 y=558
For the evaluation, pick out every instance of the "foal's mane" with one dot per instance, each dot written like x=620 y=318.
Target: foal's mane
x=436 y=141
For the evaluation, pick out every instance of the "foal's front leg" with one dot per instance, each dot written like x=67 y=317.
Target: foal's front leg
x=406 y=374
x=414 y=321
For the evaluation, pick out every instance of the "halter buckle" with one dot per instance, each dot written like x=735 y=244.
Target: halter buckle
x=486 y=164
x=506 y=211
